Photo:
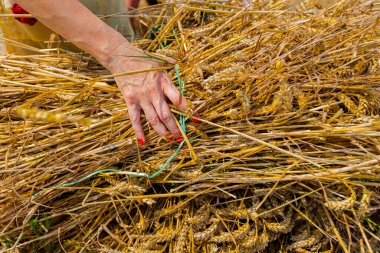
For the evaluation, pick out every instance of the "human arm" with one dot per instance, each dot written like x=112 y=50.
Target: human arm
x=145 y=91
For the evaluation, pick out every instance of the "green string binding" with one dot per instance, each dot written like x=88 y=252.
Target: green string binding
x=182 y=85
x=182 y=120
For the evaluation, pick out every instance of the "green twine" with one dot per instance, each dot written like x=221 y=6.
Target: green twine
x=182 y=120
x=75 y=182
x=182 y=85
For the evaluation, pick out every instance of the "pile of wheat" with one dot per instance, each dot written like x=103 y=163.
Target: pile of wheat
x=286 y=157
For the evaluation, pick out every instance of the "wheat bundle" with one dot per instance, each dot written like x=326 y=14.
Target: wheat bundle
x=286 y=157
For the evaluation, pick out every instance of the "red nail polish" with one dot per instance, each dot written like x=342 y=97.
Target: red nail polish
x=196 y=121
x=180 y=138
x=141 y=141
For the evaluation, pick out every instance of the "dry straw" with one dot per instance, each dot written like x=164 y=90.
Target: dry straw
x=286 y=156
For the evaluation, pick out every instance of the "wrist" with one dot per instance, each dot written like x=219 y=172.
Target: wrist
x=106 y=52
x=121 y=55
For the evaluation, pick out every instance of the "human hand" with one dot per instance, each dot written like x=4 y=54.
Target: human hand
x=144 y=91
x=147 y=91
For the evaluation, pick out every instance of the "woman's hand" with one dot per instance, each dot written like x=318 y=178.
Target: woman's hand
x=146 y=91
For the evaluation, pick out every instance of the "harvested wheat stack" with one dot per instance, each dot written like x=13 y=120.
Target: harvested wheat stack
x=286 y=156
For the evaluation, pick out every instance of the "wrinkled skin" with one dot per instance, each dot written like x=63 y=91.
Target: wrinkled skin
x=147 y=92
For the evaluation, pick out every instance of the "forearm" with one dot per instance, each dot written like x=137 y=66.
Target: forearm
x=78 y=25
x=142 y=91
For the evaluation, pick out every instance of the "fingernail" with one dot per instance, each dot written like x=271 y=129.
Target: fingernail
x=196 y=121
x=180 y=138
x=141 y=141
